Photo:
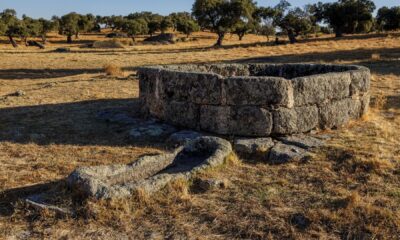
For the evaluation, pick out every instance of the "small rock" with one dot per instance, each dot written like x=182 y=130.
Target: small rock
x=152 y=132
x=18 y=93
x=182 y=137
x=282 y=153
x=62 y=50
x=302 y=141
x=300 y=221
x=209 y=184
x=253 y=147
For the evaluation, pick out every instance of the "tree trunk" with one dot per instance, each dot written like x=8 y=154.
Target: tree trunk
x=241 y=35
x=25 y=39
x=133 y=38
x=13 y=42
x=77 y=35
x=44 y=39
x=221 y=37
x=291 y=36
x=338 y=33
x=69 y=39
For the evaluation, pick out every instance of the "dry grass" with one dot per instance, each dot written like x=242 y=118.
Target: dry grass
x=113 y=70
x=348 y=190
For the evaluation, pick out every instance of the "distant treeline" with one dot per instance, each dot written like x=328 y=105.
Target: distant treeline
x=238 y=17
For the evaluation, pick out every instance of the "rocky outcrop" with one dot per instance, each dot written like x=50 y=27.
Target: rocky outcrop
x=255 y=100
x=150 y=173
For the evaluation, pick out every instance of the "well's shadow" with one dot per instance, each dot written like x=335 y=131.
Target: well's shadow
x=67 y=123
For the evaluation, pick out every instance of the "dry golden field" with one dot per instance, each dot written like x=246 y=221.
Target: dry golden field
x=350 y=189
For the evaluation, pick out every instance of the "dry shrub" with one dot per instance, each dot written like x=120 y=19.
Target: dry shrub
x=375 y=56
x=179 y=189
x=127 y=42
x=113 y=70
x=108 y=44
x=380 y=101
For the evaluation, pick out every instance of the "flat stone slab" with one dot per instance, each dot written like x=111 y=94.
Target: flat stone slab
x=253 y=147
x=282 y=153
x=150 y=173
x=183 y=137
x=116 y=117
x=153 y=131
x=302 y=141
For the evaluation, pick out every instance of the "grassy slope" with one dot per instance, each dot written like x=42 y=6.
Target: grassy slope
x=349 y=189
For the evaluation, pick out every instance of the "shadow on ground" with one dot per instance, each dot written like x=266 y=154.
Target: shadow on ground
x=11 y=74
x=67 y=123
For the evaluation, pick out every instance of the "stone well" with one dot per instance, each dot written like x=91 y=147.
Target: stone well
x=255 y=100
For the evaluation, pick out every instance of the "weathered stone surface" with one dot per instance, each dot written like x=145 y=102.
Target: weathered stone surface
x=152 y=131
x=360 y=80
x=149 y=173
x=255 y=100
x=183 y=137
x=250 y=121
x=215 y=119
x=183 y=114
x=302 y=141
x=295 y=120
x=337 y=113
x=258 y=91
x=282 y=153
x=253 y=147
x=206 y=89
x=321 y=88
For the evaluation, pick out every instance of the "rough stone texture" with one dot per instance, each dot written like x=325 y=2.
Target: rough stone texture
x=183 y=137
x=215 y=119
x=295 y=120
x=253 y=147
x=153 y=131
x=258 y=91
x=282 y=153
x=302 y=141
x=250 y=121
x=150 y=173
x=319 y=88
x=255 y=100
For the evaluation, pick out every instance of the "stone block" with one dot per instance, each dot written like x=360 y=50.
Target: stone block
x=258 y=91
x=206 y=89
x=295 y=120
x=360 y=80
x=337 y=113
x=182 y=114
x=215 y=119
x=250 y=122
x=321 y=88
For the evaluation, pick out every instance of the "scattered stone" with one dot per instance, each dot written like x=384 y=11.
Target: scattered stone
x=18 y=93
x=282 y=153
x=150 y=173
x=152 y=132
x=108 y=44
x=62 y=50
x=37 y=202
x=253 y=147
x=116 y=35
x=302 y=141
x=300 y=221
x=183 y=137
x=162 y=38
x=210 y=184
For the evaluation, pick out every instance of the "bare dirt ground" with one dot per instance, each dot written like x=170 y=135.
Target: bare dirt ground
x=348 y=190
